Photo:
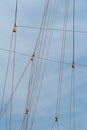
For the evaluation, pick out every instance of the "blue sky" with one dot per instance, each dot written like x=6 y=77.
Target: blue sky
x=30 y=14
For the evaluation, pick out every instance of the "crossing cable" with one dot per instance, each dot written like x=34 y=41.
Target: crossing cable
x=52 y=29
x=29 y=92
x=27 y=107
x=50 y=38
x=31 y=100
x=4 y=109
x=44 y=39
x=56 y=6
x=8 y=67
x=42 y=23
x=37 y=76
x=14 y=30
x=40 y=79
x=37 y=49
x=6 y=75
x=8 y=59
x=42 y=58
x=31 y=96
x=37 y=43
x=41 y=33
x=40 y=76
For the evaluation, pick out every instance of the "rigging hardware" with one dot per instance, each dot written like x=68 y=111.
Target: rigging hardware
x=14 y=29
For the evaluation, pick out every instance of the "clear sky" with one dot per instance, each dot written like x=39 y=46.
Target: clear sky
x=30 y=14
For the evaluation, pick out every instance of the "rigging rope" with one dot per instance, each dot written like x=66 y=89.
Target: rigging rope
x=6 y=121
x=34 y=87
x=9 y=58
x=72 y=102
x=37 y=52
x=52 y=29
x=44 y=40
x=42 y=58
x=27 y=106
x=16 y=9
x=59 y=90
x=42 y=37
x=2 y=100
x=73 y=31
x=4 y=109
x=12 y=88
x=62 y=58
x=72 y=99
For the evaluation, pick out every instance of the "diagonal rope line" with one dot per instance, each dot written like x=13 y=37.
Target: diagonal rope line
x=37 y=51
x=6 y=75
x=42 y=58
x=4 y=109
x=62 y=59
